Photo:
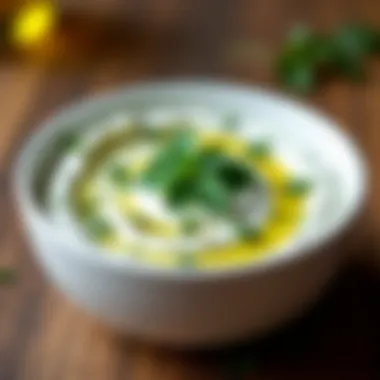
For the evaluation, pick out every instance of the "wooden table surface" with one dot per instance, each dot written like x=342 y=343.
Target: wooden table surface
x=44 y=337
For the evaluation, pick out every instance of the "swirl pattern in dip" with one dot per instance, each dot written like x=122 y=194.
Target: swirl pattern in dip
x=173 y=193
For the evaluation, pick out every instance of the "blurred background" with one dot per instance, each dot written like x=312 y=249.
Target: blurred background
x=55 y=52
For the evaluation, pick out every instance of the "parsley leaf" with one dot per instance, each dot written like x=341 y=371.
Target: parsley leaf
x=297 y=64
x=174 y=159
x=352 y=44
x=188 y=174
x=306 y=56
x=190 y=226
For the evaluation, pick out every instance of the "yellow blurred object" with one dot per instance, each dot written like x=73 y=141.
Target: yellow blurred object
x=33 y=24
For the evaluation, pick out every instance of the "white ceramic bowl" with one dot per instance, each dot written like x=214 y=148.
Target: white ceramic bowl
x=203 y=308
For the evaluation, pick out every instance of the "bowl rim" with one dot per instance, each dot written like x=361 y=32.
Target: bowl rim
x=121 y=263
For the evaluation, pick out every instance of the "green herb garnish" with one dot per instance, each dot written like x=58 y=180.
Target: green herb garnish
x=299 y=59
x=175 y=159
x=119 y=175
x=84 y=204
x=190 y=226
x=298 y=187
x=98 y=228
x=234 y=175
x=85 y=208
x=212 y=194
x=306 y=57
x=248 y=233
x=188 y=174
x=260 y=150
x=352 y=45
x=141 y=221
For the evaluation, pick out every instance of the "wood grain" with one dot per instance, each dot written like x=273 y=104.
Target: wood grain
x=44 y=337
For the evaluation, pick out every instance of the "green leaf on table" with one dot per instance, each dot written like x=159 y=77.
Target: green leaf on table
x=298 y=76
x=299 y=60
x=376 y=47
x=352 y=45
x=355 y=39
x=307 y=56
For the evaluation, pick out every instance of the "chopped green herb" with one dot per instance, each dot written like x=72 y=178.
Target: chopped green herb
x=352 y=44
x=98 y=228
x=248 y=233
x=189 y=175
x=298 y=61
x=84 y=204
x=141 y=221
x=180 y=192
x=307 y=56
x=232 y=174
x=376 y=47
x=190 y=226
x=213 y=195
x=356 y=39
x=7 y=276
x=299 y=76
x=298 y=187
x=85 y=208
x=119 y=175
x=174 y=160
x=260 y=150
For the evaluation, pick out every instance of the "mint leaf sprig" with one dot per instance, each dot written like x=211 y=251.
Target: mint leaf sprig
x=307 y=57
x=187 y=173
